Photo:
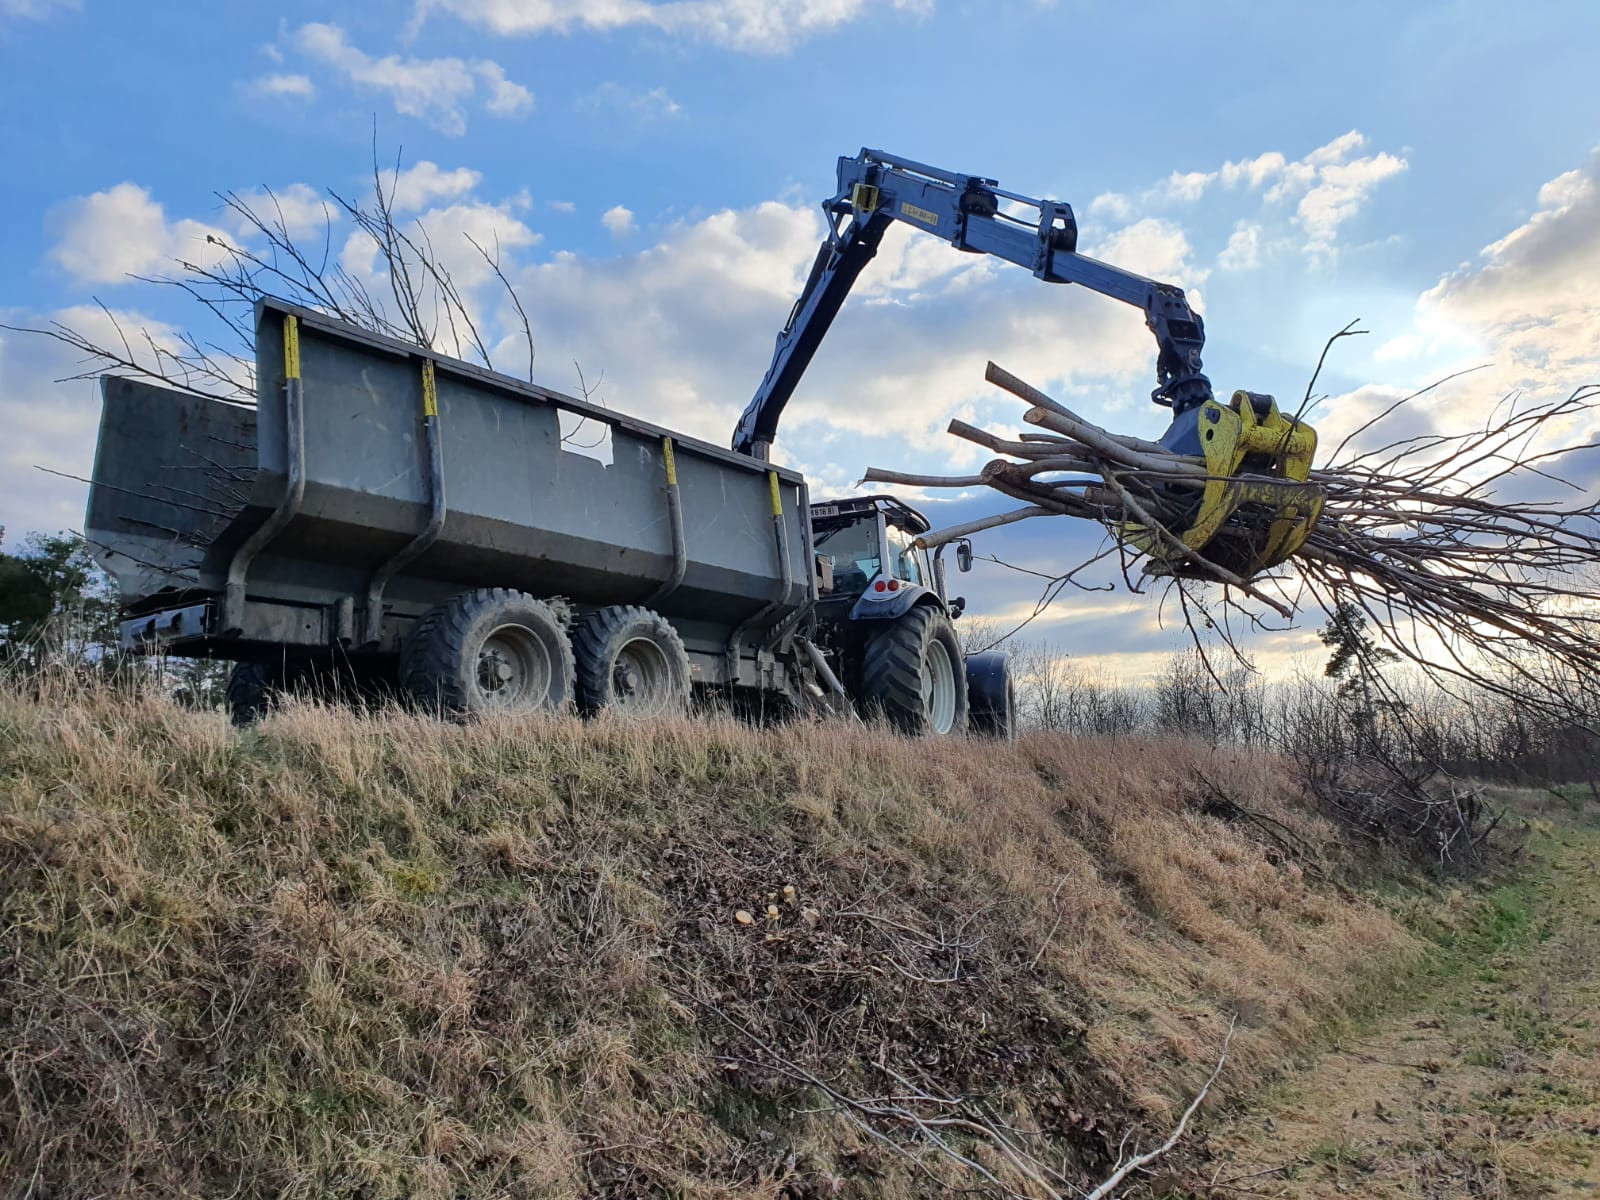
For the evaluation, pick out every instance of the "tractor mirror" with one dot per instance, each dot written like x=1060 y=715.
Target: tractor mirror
x=964 y=556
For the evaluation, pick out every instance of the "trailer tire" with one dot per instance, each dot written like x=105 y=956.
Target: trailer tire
x=256 y=688
x=991 y=696
x=913 y=675
x=253 y=691
x=631 y=661
x=493 y=650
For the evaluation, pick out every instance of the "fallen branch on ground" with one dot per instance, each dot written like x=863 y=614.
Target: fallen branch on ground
x=1128 y=1166
x=936 y=1118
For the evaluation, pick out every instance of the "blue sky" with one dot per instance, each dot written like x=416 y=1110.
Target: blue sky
x=652 y=171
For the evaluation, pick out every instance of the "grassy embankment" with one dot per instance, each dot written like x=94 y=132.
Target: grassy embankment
x=1486 y=1082
x=391 y=957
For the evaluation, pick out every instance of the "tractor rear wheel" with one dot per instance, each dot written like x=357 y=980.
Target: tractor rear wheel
x=490 y=651
x=913 y=675
x=630 y=661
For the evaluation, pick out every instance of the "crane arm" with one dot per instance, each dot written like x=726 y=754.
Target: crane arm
x=965 y=210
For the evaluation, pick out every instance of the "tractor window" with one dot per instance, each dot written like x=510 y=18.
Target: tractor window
x=854 y=551
x=907 y=561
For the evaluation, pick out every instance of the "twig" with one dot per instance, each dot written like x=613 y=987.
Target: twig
x=1143 y=1160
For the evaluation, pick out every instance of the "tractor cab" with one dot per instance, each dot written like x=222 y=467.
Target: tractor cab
x=883 y=618
x=865 y=545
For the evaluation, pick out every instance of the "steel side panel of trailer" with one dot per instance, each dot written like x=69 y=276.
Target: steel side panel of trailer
x=167 y=467
x=521 y=508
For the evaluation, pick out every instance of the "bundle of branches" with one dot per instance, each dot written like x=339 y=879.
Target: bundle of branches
x=1433 y=536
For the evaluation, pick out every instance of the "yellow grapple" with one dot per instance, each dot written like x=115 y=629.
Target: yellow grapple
x=1246 y=525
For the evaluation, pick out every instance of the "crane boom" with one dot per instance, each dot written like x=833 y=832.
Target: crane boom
x=965 y=210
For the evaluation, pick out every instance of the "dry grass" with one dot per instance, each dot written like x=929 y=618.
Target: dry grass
x=389 y=957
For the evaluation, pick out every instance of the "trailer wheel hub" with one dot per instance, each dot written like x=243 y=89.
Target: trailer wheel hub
x=641 y=679
x=514 y=668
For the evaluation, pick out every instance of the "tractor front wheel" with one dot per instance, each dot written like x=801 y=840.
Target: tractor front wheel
x=991 y=695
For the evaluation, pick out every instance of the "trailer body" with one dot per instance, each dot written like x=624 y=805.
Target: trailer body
x=374 y=480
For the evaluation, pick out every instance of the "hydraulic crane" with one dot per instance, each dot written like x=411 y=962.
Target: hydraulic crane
x=1246 y=435
x=876 y=189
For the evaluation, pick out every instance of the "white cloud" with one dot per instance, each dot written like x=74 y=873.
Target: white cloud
x=1188 y=186
x=618 y=99
x=299 y=208
x=1113 y=206
x=493 y=226
x=37 y=10
x=418 y=186
x=447 y=229
x=434 y=90
x=1153 y=247
x=1530 y=299
x=618 y=221
x=1400 y=348
x=52 y=424
x=1342 y=188
x=909 y=351
x=1345 y=416
x=1338 y=150
x=563 y=206
x=297 y=87
x=908 y=265
x=506 y=99
x=454 y=232
x=760 y=26
x=1243 y=251
x=1330 y=186
x=1253 y=172
x=506 y=17
x=122 y=231
x=359 y=257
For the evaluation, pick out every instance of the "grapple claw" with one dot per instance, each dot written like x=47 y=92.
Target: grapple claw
x=1258 y=505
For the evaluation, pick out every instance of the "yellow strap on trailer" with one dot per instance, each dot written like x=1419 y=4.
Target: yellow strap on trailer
x=291 y=346
x=430 y=390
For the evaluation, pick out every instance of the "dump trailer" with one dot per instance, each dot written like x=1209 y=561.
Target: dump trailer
x=385 y=517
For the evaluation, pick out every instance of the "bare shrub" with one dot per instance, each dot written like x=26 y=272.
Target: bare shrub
x=411 y=293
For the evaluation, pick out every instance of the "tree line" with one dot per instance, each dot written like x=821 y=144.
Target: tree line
x=59 y=610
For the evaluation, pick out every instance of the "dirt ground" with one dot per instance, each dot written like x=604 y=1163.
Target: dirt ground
x=1491 y=1088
